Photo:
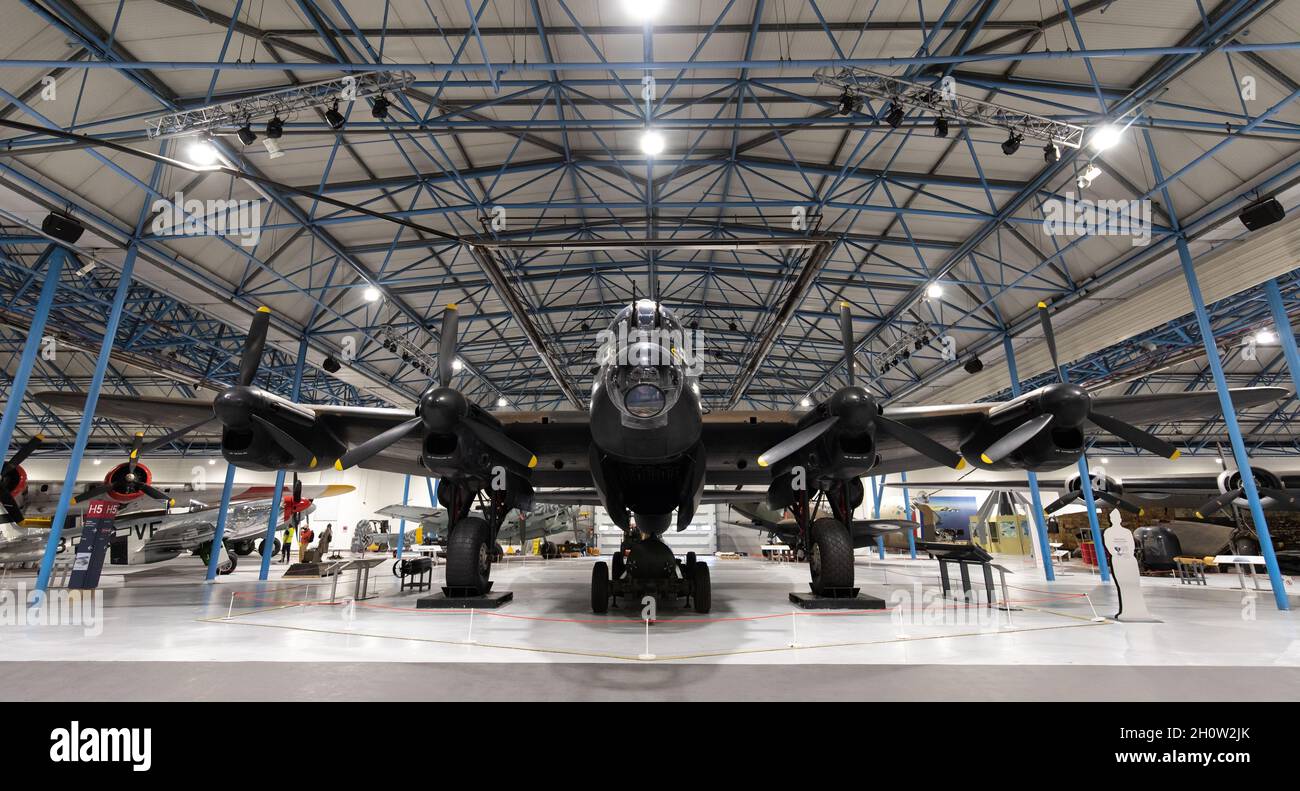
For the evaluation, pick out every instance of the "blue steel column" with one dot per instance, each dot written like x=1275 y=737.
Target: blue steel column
x=401 y=529
x=87 y=421
x=1230 y=420
x=55 y=257
x=1281 y=322
x=277 y=496
x=877 y=492
x=219 y=536
x=1040 y=522
x=1085 y=484
x=907 y=514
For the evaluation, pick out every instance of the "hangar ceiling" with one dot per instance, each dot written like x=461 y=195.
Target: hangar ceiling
x=535 y=108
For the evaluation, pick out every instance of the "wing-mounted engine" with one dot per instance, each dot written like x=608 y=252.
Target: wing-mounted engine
x=1105 y=489
x=13 y=479
x=262 y=431
x=1270 y=486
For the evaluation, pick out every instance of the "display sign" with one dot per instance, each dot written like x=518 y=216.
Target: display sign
x=97 y=532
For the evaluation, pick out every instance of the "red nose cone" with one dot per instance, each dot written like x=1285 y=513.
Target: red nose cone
x=124 y=487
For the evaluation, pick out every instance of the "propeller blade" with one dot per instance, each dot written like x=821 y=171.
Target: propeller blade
x=447 y=345
x=1218 y=503
x=377 y=443
x=12 y=510
x=90 y=493
x=846 y=338
x=1045 y=319
x=1118 y=502
x=502 y=444
x=1062 y=501
x=795 y=441
x=24 y=451
x=919 y=442
x=253 y=345
x=297 y=488
x=134 y=458
x=1134 y=435
x=156 y=494
x=1285 y=498
x=167 y=439
x=1014 y=439
x=300 y=452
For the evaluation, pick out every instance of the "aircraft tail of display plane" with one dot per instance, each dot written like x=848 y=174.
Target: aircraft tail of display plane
x=647 y=448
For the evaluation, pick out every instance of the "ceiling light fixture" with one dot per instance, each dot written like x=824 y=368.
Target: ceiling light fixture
x=380 y=108
x=371 y=294
x=652 y=143
x=934 y=291
x=941 y=127
x=895 y=115
x=202 y=152
x=246 y=134
x=456 y=364
x=1105 y=137
x=1266 y=337
x=645 y=10
x=1051 y=153
x=334 y=118
x=1012 y=144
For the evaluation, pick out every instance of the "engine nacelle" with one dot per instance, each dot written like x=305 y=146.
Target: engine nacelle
x=1230 y=480
x=120 y=478
x=1103 y=483
x=247 y=442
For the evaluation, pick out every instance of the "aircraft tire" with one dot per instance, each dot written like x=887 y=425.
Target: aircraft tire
x=616 y=564
x=830 y=557
x=702 y=589
x=469 y=555
x=242 y=548
x=230 y=565
x=599 y=587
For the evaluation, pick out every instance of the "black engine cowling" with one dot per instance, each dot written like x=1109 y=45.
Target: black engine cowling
x=250 y=418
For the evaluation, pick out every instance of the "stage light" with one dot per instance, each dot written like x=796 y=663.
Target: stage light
x=274 y=128
x=333 y=117
x=201 y=152
x=1087 y=177
x=934 y=291
x=1012 y=144
x=1105 y=137
x=1266 y=337
x=652 y=143
x=371 y=294
x=331 y=365
x=974 y=365
x=895 y=115
x=849 y=103
x=246 y=134
x=941 y=127
x=380 y=108
x=645 y=10
x=1051 y=154
x=456 y=364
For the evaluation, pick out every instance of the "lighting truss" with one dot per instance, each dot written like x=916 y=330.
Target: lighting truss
x=282 y=103
x=396 y=342
x=916 y=338
x=861 y=82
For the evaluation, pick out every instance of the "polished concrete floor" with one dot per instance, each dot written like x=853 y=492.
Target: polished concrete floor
x=179 y=638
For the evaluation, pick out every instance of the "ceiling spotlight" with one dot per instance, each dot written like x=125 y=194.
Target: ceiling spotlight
x=1266 y=337
x=274 y=128
x=371 y=294
x=805 y=402
x=211 y=462
x=202 y=152
x=98 y=462
x=380 y=108
x=652 y=143
x=1105 y=137
x=1087 y=177
x=1012 y=144
x=895 y=115
x=645 y=10
x=974 y=365
x=1051 y=153
x=456 y=364
x=1105 y=461
x=501 y=402
x=331 y=364
x=934 y=291
x=246 y=134
x=849 y=103
x=941 y=127
x=1218 y=460
x=333 y=117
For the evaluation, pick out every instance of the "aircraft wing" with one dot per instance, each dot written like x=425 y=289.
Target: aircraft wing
x=590 y=497
x=411 y=513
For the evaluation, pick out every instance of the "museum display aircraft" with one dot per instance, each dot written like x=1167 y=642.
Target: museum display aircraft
x=647 y=448
x=517 y=528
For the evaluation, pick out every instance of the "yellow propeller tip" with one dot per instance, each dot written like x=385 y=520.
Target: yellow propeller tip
x=1042 y=305
x=338 y=465
x=1199 y=515
x=844 y=303
x=1175 y=454
x=264 y=309
x=452 y=306
x=312 y=465
x=1142 y=511
x=139 y=433
x=40 y=437
x=961 y=464
x=532 y=462
x=171 y=503
x=984 y=457
x=762 y=462
x=134 y=454
x=73 y=501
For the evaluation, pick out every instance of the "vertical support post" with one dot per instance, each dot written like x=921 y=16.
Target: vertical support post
x=907 y=514
x=401 y=530
x=877 y=494
x=1040 y=519
x=219 y=537
x=1230 y=419
x=87 y=422
x=53 y=259
x=1282 y=323
x=1090 y=502
x=277 y=496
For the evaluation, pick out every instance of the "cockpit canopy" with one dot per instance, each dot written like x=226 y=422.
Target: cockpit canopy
x=641 y=363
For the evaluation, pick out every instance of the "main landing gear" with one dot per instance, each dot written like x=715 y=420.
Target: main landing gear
x=826 y=543
x=647 y=567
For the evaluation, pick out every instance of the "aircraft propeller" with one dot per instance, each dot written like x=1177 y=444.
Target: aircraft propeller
x=859 y=410
x=129 y=482
x=1099 y=494
x=442 y=409
x=1218 y=503
x=1073 y=401
x=12 y=478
